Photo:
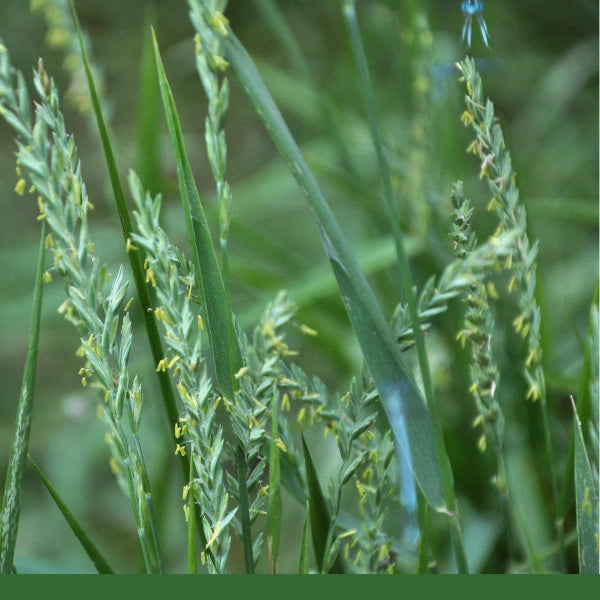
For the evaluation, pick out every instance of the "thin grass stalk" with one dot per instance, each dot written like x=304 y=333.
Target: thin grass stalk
x=13 y=488
x=274 y=507
x=387 y=365
x=192 y=553
x=135 y=258
x=197 y=435
x=94 y=307
x=406 y=279
x=217 y=302
x=224 y=346
x=496 y=169
x=98 y=560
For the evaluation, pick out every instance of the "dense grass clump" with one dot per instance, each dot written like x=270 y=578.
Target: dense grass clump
x=316 y=297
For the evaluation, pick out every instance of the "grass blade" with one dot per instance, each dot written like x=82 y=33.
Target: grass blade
x=148 y=153
x=192 y=552
x=135 y=258
x=11 y=501
x=224 y=347
x=586 y=494
x=386 y=364
x=274 y=508
x=91 y=550
x=588 y=383
x=303 y=564
x=405 y=274
x=320 y=520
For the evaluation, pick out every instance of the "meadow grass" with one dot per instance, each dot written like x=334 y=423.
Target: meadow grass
x=282 y=467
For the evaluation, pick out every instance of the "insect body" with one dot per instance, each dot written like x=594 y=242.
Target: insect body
x=470 y=9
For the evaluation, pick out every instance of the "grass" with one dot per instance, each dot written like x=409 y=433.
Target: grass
x=385 y=412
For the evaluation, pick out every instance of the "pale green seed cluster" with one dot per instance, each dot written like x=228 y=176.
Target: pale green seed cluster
x=457 y=277
x=211 y=26
x=496 y=169
x=197 y=433
x=96 y=301
x=479 y=329
x=364 y=490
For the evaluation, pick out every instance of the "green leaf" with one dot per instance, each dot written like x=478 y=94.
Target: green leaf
x=320 y=520
x=303 y=564
x=226 y=354
x=586 y=494
x=224 y=345
x=380 y=351
x=192 y=557
x=91 y=550
x=244 y=500
x=274 y=508
x=588 y=381
x=148 y=147
x=11 y=501
x=135 y=258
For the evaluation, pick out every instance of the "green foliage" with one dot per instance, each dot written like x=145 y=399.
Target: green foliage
x=345 y=445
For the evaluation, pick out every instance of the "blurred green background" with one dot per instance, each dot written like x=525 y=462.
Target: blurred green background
x=542 y=74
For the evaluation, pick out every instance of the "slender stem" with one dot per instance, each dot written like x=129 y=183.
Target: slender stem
x=11 y=502
x=135 y=258
x=405 y=277
x=245 y=510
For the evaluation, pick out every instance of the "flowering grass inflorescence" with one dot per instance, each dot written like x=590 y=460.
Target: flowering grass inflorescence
x=244 y=405
x=96 y=302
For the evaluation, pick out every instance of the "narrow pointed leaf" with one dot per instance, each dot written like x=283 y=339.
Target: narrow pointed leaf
x=588 y=381
x=320 y=519
x=224 y=347
x=148 y=147
x=303 y=563
x=90 y=548
x=135 y=258
x=586 y=494
x=11 y=501
x=372 y=330
x=274 y=508
x=245 y=509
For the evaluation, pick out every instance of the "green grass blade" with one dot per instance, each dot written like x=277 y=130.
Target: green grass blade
x=373 y=331
x=148 y=147
x=274 y=508
x=192 y=553
x=99 y=562
x=304 y=562
x=224 y=344
x=388 y=197
x=320 y=519
x=587 y=380
x=13 y=489
x=586 y=494
x=224 y=347
x=245 y=509
x=135 y=258
x=405 y=273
